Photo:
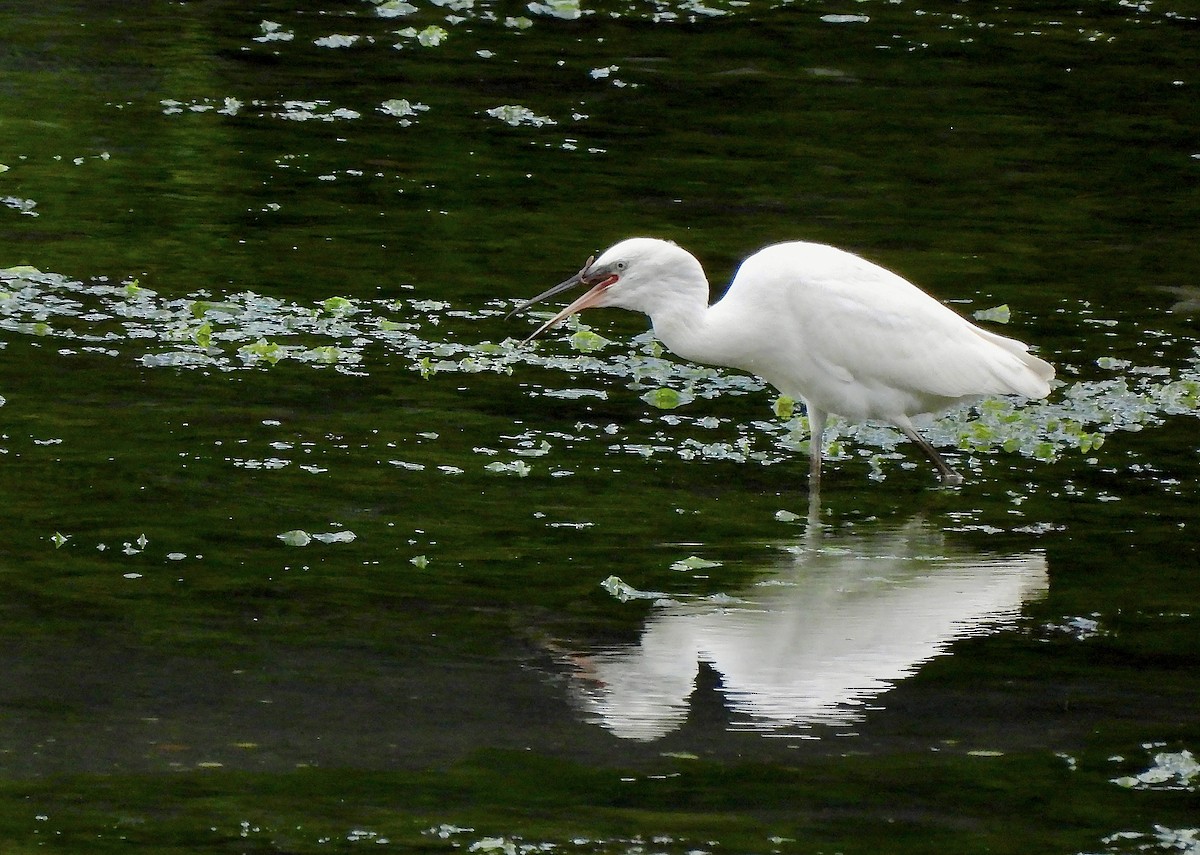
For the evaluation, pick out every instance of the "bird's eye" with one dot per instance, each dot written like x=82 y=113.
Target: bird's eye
x=620 y=265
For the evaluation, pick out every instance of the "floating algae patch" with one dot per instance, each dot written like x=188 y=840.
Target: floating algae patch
x=250 y=331
x=1171 y=770
x=959 y=26
x=244 y=330
x=516 y=115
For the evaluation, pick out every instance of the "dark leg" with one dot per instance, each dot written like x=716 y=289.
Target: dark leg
x=816 y=442
x=949 y=476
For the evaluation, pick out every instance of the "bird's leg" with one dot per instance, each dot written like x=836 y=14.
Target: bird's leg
x=949 y=476
x=814 y=514
x=816 y=443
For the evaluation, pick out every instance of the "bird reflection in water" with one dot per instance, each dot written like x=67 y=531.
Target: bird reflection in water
x=839 y=620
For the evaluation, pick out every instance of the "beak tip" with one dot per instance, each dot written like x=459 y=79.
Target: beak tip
x=580 y=304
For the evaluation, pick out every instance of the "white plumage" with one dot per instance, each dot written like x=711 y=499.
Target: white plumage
x=822 y=325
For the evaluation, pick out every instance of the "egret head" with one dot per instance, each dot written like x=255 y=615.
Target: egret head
x=631 y=274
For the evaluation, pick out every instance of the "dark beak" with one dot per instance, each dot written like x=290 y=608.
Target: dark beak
x=577 y=279
x=588 y=299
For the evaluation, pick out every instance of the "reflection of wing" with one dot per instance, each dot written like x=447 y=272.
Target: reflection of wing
x=811 y=651
x=830 y=630
x=1188 y=297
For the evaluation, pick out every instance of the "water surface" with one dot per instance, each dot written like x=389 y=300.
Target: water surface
x=304 y=554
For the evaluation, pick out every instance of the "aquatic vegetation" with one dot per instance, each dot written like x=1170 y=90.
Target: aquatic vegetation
x=515 y=844
x=515 y=115
x=481 y=24
x=403 y=109
x=295 y=537
x=1171 y=770
x=1162 y=839
x=343 y=536
x=252 y=331
x=693 y=562
x=430 y=36
x=338 y=40
x=516 y=467
x=665 y=398
x=393 y=8
x=996 y=315
x=958 y=25
x=23 y=206
x=587 y=341
x=623 y=591
x=273 y=32
x=299 y=537
x=293 y=110
x=1079 y=627
x=568 y=10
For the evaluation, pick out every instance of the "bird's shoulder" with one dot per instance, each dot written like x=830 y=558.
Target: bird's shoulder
x=827 y=320
x=819 y=278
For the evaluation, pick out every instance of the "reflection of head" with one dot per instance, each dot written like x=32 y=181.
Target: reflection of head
x=833 y=626
x=642 y=692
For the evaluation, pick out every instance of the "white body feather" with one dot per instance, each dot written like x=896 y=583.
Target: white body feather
x=851 y=338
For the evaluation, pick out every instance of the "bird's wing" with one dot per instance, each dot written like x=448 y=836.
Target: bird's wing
x=882 y=330
x=858 y=331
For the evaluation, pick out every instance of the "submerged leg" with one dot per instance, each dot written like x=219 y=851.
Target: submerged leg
x=816 y=442
x=949 y=476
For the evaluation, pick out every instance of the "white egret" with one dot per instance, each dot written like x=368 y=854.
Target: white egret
x=822 y=325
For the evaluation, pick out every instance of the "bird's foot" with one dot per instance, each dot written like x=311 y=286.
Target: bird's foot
x=950 y=478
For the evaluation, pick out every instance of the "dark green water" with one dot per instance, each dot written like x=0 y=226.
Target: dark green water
x=247 y=292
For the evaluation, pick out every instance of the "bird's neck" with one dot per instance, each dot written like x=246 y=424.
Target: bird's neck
x=686 y=326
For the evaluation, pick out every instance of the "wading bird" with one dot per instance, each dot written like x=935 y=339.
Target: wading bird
x=822 y=325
